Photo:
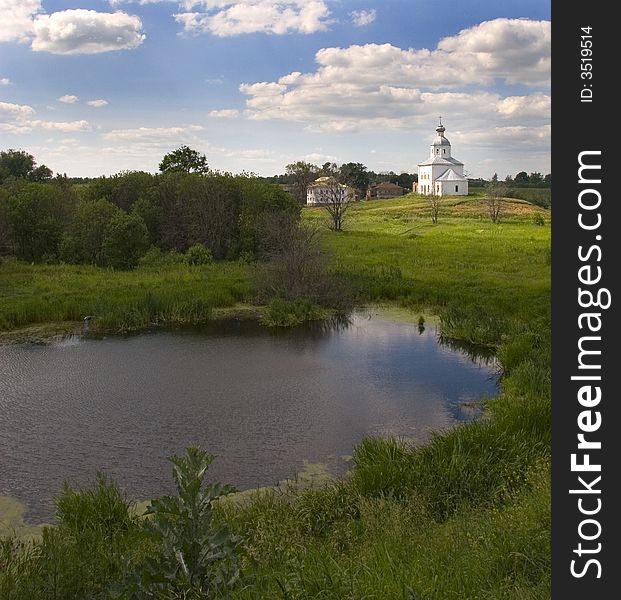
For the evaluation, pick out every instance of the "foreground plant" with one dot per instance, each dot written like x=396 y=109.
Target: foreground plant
x=197 y=557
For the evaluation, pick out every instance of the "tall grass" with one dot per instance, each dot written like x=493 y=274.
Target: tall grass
x=117 y=300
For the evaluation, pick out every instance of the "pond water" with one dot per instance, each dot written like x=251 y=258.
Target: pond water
x=262 y=402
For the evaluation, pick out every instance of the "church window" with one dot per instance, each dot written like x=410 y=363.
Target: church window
x=457 y=188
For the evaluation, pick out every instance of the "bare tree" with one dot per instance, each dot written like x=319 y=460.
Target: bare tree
x=434 y=204
x=295 y=265
x=336 y=198
x=495 y=192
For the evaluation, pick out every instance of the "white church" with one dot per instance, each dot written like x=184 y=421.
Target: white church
x=441 y=174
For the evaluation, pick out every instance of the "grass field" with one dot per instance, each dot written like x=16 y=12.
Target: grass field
x=465 y=517
x=57 y=296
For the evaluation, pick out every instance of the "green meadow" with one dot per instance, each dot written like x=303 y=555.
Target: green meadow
x=463 y=517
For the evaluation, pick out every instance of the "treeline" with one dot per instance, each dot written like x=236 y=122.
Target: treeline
x=299 y=175
x=113 y=221
x=521 y=179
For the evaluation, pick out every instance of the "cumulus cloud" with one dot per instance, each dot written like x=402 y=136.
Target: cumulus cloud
x=16 y=21
x=80 y=31
x=227 y=113
x=18 y=118
x=383 y=86
x=152 y=133
x=68 y=99
x=225 y=18
x=97 y=103
x=360 y=18
x=64 y=126
x=5 y=81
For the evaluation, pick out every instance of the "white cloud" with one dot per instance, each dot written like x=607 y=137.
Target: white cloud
x=68 y=99
x=18 y=118
x=227 y=113
x=97 y=103
x=15 y=112
x=5 y=81
x=16 y=19
x=319 y=158
x=360 y=18
x=228 y=18
x=381 y=86
x=65 y=126
x=152 y=133
x=83 y=31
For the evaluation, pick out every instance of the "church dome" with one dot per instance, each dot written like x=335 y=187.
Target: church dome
x=440 y=139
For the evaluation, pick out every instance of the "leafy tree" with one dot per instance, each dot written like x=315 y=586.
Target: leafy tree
x=21 y=165
x=38 y=215
x=405 y=180
x=6 y=240
x=548 y=178
x=126 y=239
x=40 y=173
x=521 y=177
x=354 y=175
x=184 y=160
x=261 y=203
x=329 y=169
x=84 y=242
x=535 y=177
x=123 y=189
x=302 y=174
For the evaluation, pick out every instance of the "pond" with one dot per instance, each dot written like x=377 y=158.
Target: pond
x=263 y=402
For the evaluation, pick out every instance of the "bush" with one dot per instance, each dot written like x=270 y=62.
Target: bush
x=154 y=257
x=125 y=240
x=538 y=219
x=284 y=313
x=198 y=254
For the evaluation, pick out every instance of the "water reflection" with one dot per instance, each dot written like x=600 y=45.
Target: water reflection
x=262 y=400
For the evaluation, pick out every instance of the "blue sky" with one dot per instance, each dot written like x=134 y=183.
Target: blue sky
x=96 y=87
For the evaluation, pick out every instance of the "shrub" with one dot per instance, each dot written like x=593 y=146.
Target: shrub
x=285 y=313
x=198 y=254
x=154 y=257
x=538 y=219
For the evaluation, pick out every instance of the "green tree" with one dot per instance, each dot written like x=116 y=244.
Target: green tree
x=126 y=239
x=301 y=175
x=521 y=177
x=535 y=177
x=355 y=175
x=184 y=160
x=548 y=178
x=40 y=173
x=123 y=189
x=21 y=165
x=84 y=242
x=38 y=215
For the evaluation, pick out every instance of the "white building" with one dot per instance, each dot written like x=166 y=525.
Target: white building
x=441 y=174
x=327 y=190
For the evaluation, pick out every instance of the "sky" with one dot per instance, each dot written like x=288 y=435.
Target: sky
x=95 y=87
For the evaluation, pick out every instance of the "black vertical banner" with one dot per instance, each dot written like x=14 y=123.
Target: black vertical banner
x=586 y=436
